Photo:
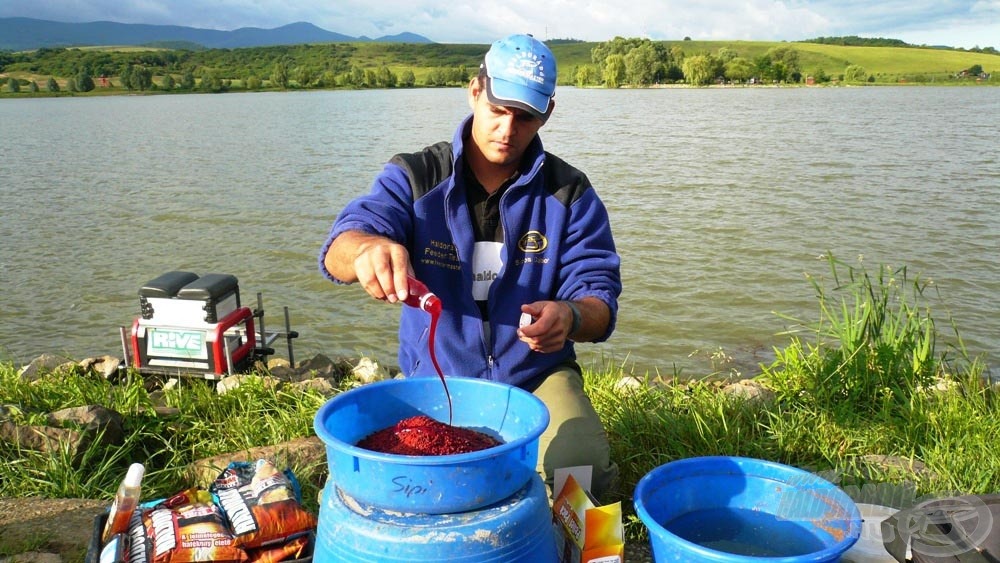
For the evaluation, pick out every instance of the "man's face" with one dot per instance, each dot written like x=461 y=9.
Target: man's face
x=501 y=133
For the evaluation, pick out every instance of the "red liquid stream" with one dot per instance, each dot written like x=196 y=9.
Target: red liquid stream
x=421 y=298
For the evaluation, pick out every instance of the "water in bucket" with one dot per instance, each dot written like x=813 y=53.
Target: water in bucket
x=744 y=532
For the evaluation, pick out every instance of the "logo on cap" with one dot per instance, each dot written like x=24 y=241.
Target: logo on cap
x=527 y=65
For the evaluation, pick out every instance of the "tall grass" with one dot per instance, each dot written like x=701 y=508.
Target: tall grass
x=872 y=346
x=865 y=378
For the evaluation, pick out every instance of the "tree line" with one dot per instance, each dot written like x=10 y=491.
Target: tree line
x=640 y=62
x=620 y=62
x=855 y=41
x=291 y=66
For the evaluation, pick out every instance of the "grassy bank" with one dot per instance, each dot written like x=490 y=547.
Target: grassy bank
x=866 y=377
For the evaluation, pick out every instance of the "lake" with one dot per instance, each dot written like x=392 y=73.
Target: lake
x=722 y=202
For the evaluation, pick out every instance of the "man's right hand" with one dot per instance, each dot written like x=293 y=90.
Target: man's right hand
x=379 y=264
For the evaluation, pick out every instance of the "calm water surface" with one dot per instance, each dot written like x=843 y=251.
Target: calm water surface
x=722 y=201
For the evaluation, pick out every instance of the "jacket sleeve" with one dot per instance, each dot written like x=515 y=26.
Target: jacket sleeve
x=386 y=210
x=590 y=265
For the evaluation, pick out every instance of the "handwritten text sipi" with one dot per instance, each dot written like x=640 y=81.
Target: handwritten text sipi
x=406 y=486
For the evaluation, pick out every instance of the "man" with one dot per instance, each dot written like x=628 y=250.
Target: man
x=515 y=243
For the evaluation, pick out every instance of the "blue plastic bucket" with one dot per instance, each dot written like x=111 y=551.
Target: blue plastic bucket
x=741 y=510
x=517 y=529
x=432 y=484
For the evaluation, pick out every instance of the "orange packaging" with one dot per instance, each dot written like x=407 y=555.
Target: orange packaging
x=585 y=532
x=186 y=528
x=261 y=504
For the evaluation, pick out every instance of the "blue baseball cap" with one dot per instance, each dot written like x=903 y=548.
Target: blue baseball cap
x=521 y=72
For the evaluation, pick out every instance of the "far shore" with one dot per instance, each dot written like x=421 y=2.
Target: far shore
x=116 y=91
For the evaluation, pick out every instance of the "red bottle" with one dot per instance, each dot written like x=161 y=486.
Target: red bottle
x=421 y=297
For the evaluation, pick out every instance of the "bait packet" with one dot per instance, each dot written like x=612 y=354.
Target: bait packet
x=261 y=504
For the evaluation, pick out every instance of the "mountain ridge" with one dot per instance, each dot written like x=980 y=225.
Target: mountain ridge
x=23 y=34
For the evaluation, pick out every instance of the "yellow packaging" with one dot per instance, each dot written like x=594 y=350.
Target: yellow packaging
x=585 y=532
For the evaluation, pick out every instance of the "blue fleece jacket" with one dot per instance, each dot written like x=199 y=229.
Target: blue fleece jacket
x=557 y=245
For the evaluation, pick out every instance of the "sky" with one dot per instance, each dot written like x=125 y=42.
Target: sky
x=954 y=23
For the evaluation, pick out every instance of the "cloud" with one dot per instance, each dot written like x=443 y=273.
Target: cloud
x=893 y=18
x=961 y=23
x=593 y=20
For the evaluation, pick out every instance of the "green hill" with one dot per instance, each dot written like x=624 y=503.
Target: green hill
x=888 y=64
x=899 y=61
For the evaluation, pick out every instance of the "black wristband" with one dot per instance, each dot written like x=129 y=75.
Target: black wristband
x=577 y=318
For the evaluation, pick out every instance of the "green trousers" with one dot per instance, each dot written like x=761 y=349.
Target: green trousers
x=575 y=435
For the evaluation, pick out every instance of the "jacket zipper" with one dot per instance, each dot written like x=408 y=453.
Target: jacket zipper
x=487 y=347
x=490 y=358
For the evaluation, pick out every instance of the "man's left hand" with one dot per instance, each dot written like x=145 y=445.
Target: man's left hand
x=551 y=326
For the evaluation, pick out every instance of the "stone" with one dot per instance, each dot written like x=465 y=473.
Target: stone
x=318 y=366
x=301 y=452
x=102 y=423
x=750 y=391
x=940 y=385
x=628 y=384
x=45 y=439
x=89 y=424
x=41 y=365
x=320 y=385
x=284 y=373
x=278 y=363
x=367 y=371
x=106 y=366
x=228 y=383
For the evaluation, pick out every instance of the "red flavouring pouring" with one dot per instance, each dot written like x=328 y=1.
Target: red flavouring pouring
x=422 y=298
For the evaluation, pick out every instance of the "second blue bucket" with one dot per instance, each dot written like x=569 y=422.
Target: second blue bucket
x=742 y=510
x=432 y=484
